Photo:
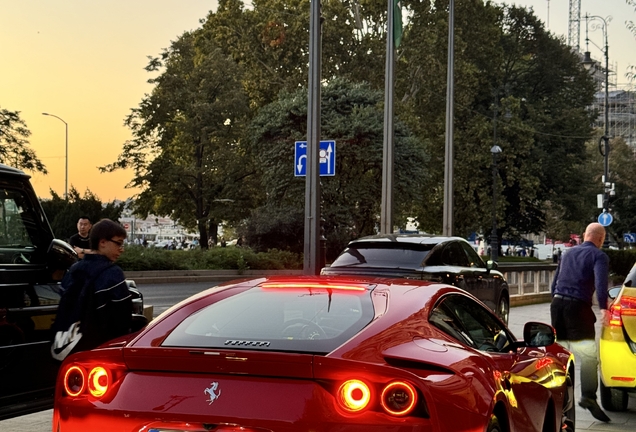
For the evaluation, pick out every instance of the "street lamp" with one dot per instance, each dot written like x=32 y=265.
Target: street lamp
x=588 y=64
x=494 y=241
x=66 y=170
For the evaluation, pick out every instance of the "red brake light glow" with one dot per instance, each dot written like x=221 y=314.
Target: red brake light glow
x=74 y=381
x=312 y=285
x=354 y=395
x=399 y=398
x=94 y=380
x=98 y=381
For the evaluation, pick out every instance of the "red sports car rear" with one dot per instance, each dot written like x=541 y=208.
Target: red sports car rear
x=321 y=355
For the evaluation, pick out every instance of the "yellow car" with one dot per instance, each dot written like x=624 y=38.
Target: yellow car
x=617 y=350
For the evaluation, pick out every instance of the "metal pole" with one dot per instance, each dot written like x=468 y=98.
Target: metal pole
x=588 y=63
x=386 y=215
x=66 y=141
x=494 y=240
x=606 y=134
x=447 y=223
x=312 y=185
x=66 y=167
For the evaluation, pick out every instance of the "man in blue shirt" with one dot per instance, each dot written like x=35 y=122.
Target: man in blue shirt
x=582 y=270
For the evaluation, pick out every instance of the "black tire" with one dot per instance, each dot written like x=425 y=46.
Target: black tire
x=568 y=412
x=503 y=309
x=493 y=424
x=614 y=399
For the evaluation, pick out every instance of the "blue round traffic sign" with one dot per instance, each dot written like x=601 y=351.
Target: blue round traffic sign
x=605 y=219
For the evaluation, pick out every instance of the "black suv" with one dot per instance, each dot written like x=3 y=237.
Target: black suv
x=32 y=264
x=450 y=260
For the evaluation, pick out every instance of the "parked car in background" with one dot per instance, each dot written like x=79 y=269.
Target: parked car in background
x=617 y=347
x=32 y=264
x=322 y=354
x=450 y=260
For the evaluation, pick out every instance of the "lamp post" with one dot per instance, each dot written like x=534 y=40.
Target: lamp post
x=494 y=240
x=66 y=169
x=588 y=63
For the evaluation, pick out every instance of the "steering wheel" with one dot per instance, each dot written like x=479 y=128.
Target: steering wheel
x=303 y=329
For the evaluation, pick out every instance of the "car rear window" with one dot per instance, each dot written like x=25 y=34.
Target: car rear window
x=308 y=320
x=396 y=255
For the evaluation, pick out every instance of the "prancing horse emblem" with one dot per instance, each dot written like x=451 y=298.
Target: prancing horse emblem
x=212 y=392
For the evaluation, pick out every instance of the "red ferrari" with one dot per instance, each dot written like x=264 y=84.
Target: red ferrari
x=322 y=354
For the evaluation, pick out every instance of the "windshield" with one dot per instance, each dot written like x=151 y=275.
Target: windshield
x=396 y=255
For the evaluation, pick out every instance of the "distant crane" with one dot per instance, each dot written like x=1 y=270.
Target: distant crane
x=574 y=29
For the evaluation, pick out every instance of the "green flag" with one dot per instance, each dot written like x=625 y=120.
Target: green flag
x=397 y=23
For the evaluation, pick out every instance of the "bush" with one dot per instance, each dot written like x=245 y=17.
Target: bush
x=621 y=262
x=139 y=258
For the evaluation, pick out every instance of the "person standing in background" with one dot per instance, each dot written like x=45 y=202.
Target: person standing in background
x=80 y=241
x=580 y=272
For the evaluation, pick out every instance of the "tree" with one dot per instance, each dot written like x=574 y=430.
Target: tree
x=270 y=42
x=352 y=115
x=513 y=76
x=63 y=214
x=186 y=153
x=14 y=136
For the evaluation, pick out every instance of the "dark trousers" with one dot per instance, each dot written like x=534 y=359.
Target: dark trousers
x=574 y=323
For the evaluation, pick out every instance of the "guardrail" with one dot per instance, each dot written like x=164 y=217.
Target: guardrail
x=529 y=282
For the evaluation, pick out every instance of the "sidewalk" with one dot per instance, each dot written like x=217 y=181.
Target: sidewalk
x=624 y=421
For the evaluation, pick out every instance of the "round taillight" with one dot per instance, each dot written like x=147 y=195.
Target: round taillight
x=354 y=395
x=398 y=398
x=74 y=381
x=98 y=381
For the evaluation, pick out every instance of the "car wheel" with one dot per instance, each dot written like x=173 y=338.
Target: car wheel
x=614 y=399
x=493 y=424
x=503 y=309
x=568 y=413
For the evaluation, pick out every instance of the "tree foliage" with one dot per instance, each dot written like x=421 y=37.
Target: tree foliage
x=185 y=150
x=63 y=214
x=352 y=115
x=512 y=77
x=14 y=150
x=516 y=86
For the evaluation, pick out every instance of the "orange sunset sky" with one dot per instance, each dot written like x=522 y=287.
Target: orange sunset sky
x=83 y=60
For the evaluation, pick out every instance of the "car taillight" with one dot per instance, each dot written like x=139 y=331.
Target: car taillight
x=98 y=381
x=626 y=306
x=94 y=380
x=397 y=398
x=74 y=381
x=354 y=395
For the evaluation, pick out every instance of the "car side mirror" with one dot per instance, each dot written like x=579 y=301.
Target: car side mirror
x=59 y=258
x=536 y=334
x=492 y=265
x=613 y=291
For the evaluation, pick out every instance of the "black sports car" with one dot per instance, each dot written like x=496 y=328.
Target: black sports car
x=451 y=260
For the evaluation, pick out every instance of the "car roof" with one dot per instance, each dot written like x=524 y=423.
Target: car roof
x=7 y=170
x=429 y=239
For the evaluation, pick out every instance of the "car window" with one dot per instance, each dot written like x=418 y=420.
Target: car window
x=16 y=217
x=454 y=255
x=397 y=255
x=469 y=323
x=473 y=258
x=297 y=320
